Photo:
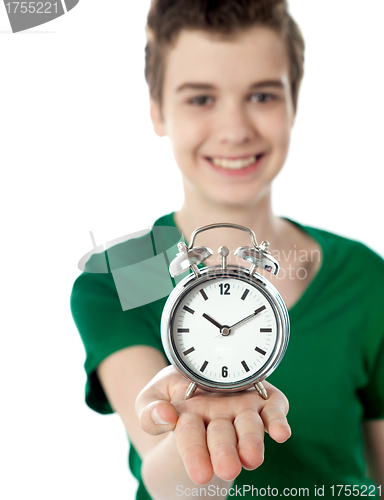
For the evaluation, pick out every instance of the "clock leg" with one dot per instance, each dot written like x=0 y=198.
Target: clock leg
x=261 y=390
x=191 y=389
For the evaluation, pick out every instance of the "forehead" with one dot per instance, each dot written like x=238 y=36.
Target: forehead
x=255 y=54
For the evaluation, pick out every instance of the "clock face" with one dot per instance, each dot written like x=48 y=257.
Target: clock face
x=224 y=330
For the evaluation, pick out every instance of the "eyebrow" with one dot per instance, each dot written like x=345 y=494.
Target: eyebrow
x=208 y=86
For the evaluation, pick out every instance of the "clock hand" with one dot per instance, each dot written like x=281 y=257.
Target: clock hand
x=213 y=321
x=257 y=311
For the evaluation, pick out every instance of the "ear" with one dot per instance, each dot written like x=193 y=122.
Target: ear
x=156 y=117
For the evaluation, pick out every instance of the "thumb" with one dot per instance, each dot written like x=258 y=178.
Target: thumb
x=158 y=417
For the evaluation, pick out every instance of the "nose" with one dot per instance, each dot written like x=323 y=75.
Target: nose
x=235 y=126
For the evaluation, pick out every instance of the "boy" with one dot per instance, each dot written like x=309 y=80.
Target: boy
x=224 y=80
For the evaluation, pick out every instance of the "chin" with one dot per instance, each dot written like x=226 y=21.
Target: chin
x=236 y=196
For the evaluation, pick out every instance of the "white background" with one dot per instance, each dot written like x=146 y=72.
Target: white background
x=78 y=153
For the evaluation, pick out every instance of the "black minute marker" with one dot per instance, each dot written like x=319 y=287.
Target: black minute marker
x=188 y=351
x=245 y=366
x=260 y=350
x=260 y=309
x=188 y=309
x=204 y=366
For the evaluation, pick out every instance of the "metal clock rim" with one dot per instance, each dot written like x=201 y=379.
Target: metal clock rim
x=238 y=272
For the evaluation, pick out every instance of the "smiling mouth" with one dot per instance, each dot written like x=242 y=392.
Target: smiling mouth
x=236 y=164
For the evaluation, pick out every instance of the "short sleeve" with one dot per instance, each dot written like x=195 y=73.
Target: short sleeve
x=372 y=394
x=118 y=300
x=105 y=327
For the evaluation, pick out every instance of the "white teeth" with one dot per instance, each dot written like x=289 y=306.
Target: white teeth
x=234 y=164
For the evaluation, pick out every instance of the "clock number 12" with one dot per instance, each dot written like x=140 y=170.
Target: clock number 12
x=224 y=288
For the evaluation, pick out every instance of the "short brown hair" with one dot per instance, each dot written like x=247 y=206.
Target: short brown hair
x=167 y=18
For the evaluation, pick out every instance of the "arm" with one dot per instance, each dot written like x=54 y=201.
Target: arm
x=373 y=431
x=123 y=375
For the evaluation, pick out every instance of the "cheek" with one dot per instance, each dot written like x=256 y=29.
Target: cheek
x=187 y=134
x=277 y=129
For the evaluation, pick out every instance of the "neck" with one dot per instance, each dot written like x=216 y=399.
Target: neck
x=196 y=212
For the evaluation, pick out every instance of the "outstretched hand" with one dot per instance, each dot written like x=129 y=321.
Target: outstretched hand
x=215 y=433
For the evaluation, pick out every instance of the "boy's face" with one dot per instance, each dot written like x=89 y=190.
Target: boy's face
x=225 y=102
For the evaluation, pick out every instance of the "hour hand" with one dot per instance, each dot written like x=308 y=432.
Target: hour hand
x=212 y=321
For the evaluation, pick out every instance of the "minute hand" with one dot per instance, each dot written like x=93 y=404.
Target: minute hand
x=248 y=317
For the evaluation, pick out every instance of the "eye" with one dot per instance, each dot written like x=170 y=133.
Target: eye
x=200 y=100
x=262 y=97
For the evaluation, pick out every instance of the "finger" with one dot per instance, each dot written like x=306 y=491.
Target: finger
x=222 y=445
x=158 y=417
x=192 y=445
x=250 y=434
x=274 y=416
x=156 y=389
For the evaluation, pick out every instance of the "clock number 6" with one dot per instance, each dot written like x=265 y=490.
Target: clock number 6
x=224 y=371
x=224 y=289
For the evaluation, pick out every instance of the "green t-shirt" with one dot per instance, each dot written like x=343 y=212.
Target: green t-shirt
x=332 y=373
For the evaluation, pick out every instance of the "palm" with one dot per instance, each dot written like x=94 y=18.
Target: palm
x=208 y=404
x=216 y=433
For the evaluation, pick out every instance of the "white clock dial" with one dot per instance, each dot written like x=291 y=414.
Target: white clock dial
x=224 y=330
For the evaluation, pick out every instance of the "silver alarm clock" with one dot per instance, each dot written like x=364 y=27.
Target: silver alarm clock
x=224 y=327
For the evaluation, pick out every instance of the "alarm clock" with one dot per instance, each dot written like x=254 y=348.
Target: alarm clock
x=224 y=327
